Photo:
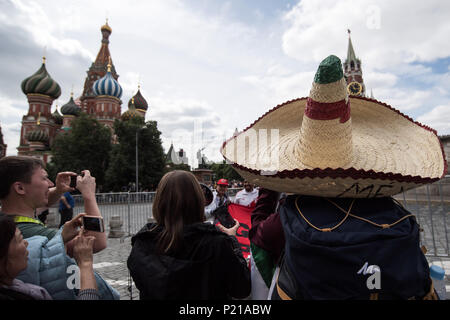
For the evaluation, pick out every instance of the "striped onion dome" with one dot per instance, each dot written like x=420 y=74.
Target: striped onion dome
x=41 y=83
x=139 y=101
x=70 y=108
x=107 y=86
x=57 y=116
x=37 y=136
x=131 y=112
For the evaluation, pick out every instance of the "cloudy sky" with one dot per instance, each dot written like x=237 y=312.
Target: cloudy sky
x=207 y=67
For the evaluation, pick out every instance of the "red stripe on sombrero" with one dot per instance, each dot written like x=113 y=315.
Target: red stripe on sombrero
x=328 y=111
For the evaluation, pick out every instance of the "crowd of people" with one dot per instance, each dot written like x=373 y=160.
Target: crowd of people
x=315 y=233
x=196 y=250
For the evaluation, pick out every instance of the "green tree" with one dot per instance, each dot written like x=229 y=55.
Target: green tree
x=170 y=166
x=224 y=170
x=85 y=146
x=151 y=159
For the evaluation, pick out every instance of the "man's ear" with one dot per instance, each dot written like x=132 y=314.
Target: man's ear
x=18 y=188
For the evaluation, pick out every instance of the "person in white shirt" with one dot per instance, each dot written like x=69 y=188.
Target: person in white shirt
x=247 y=196
x=220 y=198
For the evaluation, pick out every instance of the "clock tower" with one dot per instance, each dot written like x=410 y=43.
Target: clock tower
x=353 y=72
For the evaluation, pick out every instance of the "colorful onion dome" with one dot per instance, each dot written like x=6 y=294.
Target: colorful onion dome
x=70 y=108
x=41 y=83
x=139 y=101
x=37 y=136
x=131 y=112
x=57 y=117
x=106 y=27
x=107 y=86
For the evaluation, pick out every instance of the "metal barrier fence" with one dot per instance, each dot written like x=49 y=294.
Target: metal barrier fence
x=430 y=204
x=134 y=209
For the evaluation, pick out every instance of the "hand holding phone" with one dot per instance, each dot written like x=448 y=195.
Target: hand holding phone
x=93 y=223
x=73 y=180
x=229 y=231
x=83 y=248
x=224 y=217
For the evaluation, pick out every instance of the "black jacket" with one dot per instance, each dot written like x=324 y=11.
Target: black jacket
x=207 y=266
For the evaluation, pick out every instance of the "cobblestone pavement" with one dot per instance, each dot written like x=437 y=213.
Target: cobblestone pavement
x=111 y=264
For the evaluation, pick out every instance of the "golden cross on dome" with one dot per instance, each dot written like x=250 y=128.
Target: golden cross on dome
x=109 y=64
x=43 y=56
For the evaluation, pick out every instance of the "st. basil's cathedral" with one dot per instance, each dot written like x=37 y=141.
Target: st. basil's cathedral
x=100 y=99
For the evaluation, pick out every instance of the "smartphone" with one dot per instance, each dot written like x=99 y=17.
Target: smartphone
x=224 y=217
x=92 y=223
x=73 y=180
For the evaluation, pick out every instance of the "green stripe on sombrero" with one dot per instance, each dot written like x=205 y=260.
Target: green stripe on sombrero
x=330 y=70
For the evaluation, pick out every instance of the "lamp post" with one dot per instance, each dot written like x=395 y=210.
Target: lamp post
x=137 y=161
x=137 y=158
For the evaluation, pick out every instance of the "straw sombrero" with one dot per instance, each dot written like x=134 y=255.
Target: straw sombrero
x=334 y=146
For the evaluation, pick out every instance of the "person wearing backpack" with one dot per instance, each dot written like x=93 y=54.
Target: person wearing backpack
x=341 y=159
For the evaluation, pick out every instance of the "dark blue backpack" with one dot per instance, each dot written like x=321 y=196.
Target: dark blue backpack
x=351 y=249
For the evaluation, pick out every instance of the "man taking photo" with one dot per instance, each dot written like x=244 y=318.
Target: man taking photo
x=220 y=198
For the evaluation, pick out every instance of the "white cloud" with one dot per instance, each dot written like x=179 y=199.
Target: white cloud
x=31 y=17
x=438 y=118
x=409 y=100
x=189 y=124
x=11 y=136
x=9 y=109
x=384 y=35
x=276 y=88
x=382 y=83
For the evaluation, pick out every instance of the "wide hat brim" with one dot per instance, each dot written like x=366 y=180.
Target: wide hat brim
x=391 y=153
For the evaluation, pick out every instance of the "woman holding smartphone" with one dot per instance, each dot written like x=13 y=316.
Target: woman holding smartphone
x=180 y=256
x=14 y=259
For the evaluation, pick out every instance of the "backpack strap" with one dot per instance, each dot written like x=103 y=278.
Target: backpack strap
x=384 y=225
x=373 y=296
x=286 y=287
x=283 y=295
x=431 y=295
x=347 y=214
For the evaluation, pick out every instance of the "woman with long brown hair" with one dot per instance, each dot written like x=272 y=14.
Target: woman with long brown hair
x=182 y=257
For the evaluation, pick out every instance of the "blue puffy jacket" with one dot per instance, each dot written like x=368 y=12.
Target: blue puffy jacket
x=48 y=265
